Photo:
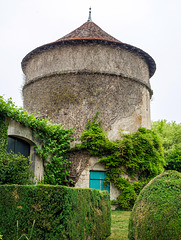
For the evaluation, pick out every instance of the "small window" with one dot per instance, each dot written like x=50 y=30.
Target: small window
x=18 y=145
x=96 y=180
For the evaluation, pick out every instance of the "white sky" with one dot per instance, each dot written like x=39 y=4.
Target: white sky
x=152 y=25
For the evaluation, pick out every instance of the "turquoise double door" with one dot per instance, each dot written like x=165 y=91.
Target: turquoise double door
x=96 y=180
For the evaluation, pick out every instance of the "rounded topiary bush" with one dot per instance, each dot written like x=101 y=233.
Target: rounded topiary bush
x=156 y=214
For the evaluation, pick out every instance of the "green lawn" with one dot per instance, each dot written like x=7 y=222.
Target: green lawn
x=119 y=225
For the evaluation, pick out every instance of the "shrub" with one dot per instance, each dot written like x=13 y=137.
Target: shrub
x=14 y=169
x=58 y=212
x=156 y=214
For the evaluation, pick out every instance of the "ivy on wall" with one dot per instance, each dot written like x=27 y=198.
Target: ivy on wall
x=138 y=156
x=3 y=134
x=54 y=138
x=54 y=152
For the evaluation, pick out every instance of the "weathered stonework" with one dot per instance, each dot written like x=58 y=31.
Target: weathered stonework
x=79 y=161
x=85 y=72
x=92 y=57
x=71 y=98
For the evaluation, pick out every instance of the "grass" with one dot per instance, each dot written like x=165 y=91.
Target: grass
x=119 y=225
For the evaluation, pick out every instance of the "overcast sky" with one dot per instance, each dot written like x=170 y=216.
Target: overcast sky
x=152 y=25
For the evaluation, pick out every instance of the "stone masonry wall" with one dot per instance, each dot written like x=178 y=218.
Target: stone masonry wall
x=70 y=83
x=91 y=57
x=71 y=99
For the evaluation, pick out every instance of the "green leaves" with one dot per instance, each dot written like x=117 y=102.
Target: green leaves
x=14 y=169
x=54 y=152
x=54 y=139
x=170 y=134
x=94 y=138
x=137 y=155
x=3 y=135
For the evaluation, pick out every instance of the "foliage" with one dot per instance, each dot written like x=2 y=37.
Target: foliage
x=59 y=212
x=55 y=146
x=24 y=235
x=174 y=159
x=54 y=140
x=94 y=138
x=138 y=186
x=138 y=154
x=156 y=213
x=14 y=168
x=3 y=135
x=170 y=133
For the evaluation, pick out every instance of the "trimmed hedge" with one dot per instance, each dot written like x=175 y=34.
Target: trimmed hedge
x=156 y=214
x=58 y=212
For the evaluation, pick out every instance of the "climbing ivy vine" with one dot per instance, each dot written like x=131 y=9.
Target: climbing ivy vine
x=54 y=139
x=139 y=156
x=3 y=134
x=54 y=152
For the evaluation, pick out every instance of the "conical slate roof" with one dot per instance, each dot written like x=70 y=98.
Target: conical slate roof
x=90 y=32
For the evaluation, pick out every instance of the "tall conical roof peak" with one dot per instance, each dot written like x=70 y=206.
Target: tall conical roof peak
x=88 y=30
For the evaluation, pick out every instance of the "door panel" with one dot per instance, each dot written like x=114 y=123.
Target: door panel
x=96 y=180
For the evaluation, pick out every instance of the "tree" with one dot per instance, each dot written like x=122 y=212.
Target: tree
x=170 y=134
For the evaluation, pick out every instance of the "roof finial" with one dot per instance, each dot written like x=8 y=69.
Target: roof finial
x=89 y=19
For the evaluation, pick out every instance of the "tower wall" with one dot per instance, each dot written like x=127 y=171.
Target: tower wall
x=93 y=57
x=70 y=83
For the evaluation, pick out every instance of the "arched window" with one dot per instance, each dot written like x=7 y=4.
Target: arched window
x=18 y=145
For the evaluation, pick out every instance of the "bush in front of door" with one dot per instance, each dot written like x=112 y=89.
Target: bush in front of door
x=14 y=169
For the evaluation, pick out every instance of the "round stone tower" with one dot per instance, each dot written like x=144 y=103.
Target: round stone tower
x=85 y=72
